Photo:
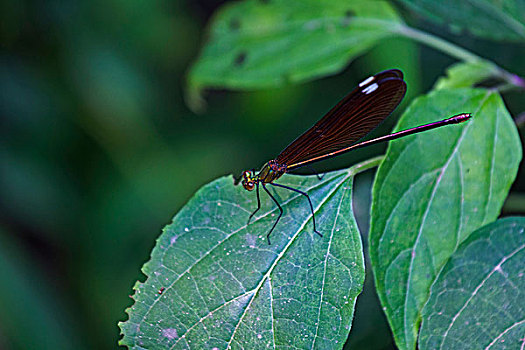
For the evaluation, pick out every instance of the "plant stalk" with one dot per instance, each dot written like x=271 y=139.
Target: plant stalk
x=365 y=165
x=457 y=52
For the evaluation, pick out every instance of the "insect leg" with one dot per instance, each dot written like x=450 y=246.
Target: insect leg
x=278 y=206
x=309 y=201
x=319 y=177
x=258 y=204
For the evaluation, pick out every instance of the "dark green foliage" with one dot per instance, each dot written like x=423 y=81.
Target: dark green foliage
x=99 y=151
x=431 y=192
x=491 y=19
x=478 y=297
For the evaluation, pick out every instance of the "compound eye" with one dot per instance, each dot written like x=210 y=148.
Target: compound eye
x=248 y=185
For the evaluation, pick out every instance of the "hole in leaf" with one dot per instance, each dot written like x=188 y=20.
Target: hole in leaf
x=235 y=24
x=240 y=59
x=348 y=17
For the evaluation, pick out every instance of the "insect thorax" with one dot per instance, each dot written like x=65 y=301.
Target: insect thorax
x=271 y=171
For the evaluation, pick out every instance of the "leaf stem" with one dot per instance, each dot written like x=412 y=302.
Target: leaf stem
x=457 y=52
x=365 y=165
x=438 y=43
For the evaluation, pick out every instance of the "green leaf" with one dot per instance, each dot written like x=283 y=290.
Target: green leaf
x=214 y=282
x=466 y=74
x=490 y=19
x=425 y=204
x=261 y=44
x=477 y=300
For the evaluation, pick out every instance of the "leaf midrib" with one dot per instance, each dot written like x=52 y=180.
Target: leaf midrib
x=410 y=269
x=211 y=250
x=285 y=28
x=282 y=253
x=498 y=14
x=324 y=270
x=478 y=287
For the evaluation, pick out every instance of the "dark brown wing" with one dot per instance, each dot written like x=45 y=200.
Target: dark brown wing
x=361 y=111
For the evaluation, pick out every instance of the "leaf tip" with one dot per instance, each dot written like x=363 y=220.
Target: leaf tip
x=194 y=99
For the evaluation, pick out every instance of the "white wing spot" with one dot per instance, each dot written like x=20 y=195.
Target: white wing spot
x=370 y=89
x=366 y=81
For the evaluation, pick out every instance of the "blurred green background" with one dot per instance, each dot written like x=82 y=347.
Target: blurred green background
x=98 y=151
